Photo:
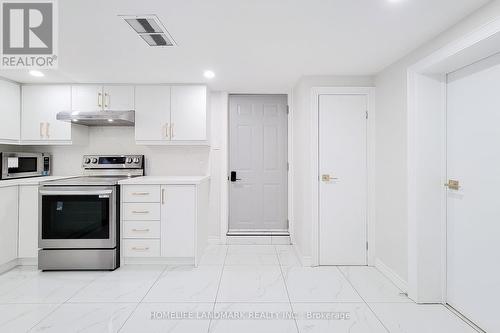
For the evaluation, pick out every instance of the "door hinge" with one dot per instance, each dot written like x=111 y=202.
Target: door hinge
x=366 y=114
x=288 y=109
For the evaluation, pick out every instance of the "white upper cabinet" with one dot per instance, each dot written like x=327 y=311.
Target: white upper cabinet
x=96 y=97
x=86 y=98
x=152 y=114
x=189 y=113
x=118 y=98
x=171 y=115
x=40 y=105
x=10 y=109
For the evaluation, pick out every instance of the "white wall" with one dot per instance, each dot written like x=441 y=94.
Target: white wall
x=391 y=144
x=301 y=147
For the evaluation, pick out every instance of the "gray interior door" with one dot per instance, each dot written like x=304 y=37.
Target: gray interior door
x=258 y=164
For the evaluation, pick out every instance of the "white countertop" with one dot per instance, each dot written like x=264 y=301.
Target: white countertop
x=165 y=180
x=30 y=181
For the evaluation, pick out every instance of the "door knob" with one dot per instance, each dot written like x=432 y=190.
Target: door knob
x=453 y=184
x=327 y=178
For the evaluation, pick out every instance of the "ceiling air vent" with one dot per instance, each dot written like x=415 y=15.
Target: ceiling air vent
x=150 y=29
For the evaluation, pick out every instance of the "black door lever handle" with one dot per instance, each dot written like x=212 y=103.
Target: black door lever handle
x=233 y=177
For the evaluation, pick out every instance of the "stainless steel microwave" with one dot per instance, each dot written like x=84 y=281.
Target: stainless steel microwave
x=21 y=165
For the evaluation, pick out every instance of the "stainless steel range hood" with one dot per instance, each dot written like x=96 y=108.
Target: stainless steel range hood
x=98 y=118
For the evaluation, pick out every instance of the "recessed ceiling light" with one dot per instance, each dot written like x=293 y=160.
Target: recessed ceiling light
x=209 y=74
x=36 y=73
x=110 y=120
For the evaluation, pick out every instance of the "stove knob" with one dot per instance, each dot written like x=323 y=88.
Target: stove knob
x=136 y=160
x=87 y=160
x=94 y=160
x=129 y=160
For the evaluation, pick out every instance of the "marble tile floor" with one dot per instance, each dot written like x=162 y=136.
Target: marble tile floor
x=236 y=288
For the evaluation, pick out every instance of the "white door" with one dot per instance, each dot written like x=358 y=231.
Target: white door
x=28 y=221
x=41 y=103
x=178 y=219
x=10 y=109
x=189 y=113
x=118 y=98
x=152 y=113
x=8 y=216
x=473 y=217
x=258 y=158
x=343 y=179
x=86 y=97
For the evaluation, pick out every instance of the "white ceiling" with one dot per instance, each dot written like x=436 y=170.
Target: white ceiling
x=252 y=46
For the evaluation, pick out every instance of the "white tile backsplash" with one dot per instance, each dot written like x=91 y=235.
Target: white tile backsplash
x=160 y=160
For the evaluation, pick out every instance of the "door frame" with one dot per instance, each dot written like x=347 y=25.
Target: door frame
x=369 y=92
x=426 y=125
x=226 y=201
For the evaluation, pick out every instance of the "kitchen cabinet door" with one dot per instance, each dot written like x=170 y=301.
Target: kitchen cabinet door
x=28 y=221
x=8 y=221
x=152 y=114
x=178 y=221
x=189 y=113
x=10 y=109
x=118 y=98
x=86 y=97
x=40 y=105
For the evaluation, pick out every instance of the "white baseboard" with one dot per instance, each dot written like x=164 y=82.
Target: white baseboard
x=306 y=261
x=8 y=266
x=391 y=275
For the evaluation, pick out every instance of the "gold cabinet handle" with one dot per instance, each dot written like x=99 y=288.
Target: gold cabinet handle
x=166 y=130
x=141 y=230
x=135 y=248
x=47 y=130
x=99 y=99
x=140 y=211
x=106 y=100
x=453 y=185
x=172 y=131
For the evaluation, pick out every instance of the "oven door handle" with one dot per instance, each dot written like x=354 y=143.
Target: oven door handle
x=72 y=192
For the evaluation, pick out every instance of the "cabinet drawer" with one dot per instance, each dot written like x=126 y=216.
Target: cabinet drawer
x=141 y=229
x=141 y=193
x=141 y=247
x=141 y=211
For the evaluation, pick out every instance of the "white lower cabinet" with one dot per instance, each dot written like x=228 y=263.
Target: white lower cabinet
x=178 y=220
x=28 y=221
x=9 y=222
x=169 y=224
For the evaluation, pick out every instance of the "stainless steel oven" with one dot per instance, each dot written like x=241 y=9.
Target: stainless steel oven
x=77 y=217
x=20 y=165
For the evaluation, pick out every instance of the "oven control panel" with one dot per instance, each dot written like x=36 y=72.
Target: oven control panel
x=113 y=162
